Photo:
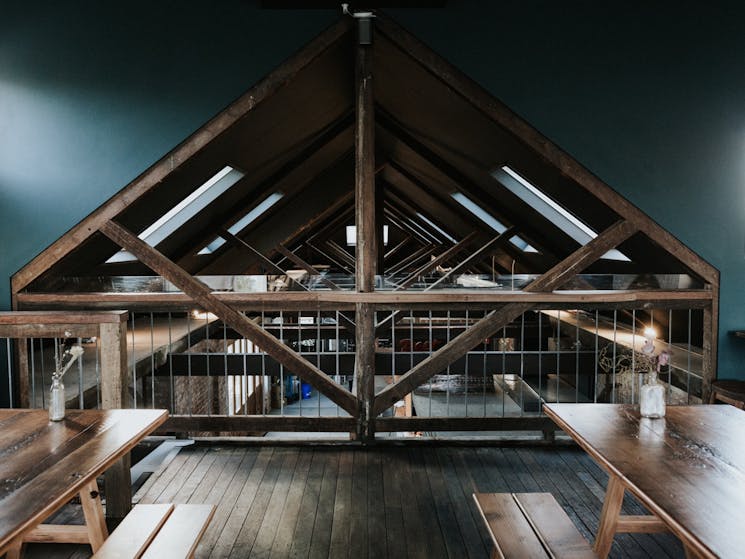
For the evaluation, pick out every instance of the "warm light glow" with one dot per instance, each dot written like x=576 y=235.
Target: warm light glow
x=202 y=315
x=650 y=333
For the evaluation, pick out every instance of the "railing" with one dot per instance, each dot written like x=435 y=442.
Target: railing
x=213 y=379
x=37 y=335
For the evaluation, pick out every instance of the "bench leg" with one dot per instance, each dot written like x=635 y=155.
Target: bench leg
x=94 y=517
x=609 y=516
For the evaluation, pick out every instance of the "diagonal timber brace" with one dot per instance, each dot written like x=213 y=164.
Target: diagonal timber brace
x=492 y=322
x=202 y=295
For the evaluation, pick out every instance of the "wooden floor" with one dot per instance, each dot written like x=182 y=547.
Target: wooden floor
x=415 y=501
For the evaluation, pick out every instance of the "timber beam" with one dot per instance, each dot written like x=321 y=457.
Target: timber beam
x=492 y=322
x=202 y=295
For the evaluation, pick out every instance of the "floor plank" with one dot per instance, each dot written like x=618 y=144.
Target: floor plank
x=370 y=503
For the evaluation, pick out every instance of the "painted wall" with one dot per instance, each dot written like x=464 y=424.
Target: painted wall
x=648 y=98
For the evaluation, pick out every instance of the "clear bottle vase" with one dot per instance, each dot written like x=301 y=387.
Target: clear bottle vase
x=57 y=400
x=652 y=397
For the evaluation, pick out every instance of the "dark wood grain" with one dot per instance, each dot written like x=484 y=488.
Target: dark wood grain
x=688 y=469
x=44 y=464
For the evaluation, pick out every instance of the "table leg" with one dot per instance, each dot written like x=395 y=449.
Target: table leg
x=609 y=516
x=93 y=513
x=118 y=486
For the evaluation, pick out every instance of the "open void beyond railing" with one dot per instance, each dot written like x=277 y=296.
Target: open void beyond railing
x=434 y=371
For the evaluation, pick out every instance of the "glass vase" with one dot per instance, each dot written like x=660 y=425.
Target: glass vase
x=652 y=397
x=57 y=400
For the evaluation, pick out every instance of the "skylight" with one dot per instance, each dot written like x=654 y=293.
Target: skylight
x=479 y=212
x=245 y=221
x=491 y=221
x=184 y=210
x=352 y=235
x=436 y=228
x=550 y=209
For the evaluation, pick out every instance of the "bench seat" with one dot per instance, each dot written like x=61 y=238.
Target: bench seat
x=162 y=531
x=530 y=526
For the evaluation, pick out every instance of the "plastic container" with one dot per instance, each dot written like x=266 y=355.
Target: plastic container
x=305 y=390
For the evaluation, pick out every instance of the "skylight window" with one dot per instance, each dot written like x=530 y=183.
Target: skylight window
x=491 y=221
x=479 y=212
x=550 y=209
x=245 y=221
x=352 y=235
x=436 y=228
x=184 y=210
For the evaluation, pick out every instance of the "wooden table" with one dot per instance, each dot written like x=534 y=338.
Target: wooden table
x=687 y=469
x=44 y=464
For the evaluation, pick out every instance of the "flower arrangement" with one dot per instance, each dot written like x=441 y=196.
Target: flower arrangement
x=65 y=361
x=627 y=361
x=62 y=363
x=624 y=362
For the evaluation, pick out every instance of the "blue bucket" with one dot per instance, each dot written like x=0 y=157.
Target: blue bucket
x=305 y=390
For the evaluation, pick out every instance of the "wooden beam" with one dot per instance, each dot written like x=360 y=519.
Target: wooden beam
x=496 y=241
x=202 y=296
x=294 y=258
x=583 y=257
x=441 y=258
x=263 y=90
x=424 y=252
x=440 y=359
x=237 y=241
x=396 y=424
x=256 y=423
x=397 y=248
x=330 y=258
x=364 y=193
x=366 y=250
x=566 y=164
x=710 y=341
x=345 y=200
x=364 y=369
x=340 y=252
x=484 y=328
x=382 y=300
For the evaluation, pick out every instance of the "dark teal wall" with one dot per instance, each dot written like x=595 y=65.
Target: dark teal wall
x=649 y=96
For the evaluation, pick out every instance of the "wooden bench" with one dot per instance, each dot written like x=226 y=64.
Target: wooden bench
x=158 y=532
x=530 y=526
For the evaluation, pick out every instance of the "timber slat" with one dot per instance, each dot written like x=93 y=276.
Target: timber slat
x=336 y=499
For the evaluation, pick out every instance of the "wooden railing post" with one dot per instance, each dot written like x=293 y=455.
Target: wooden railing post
x=114 y=390
x=114 y=370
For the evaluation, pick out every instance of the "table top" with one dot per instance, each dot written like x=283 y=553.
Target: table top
x=43 y=464
x=687 y=468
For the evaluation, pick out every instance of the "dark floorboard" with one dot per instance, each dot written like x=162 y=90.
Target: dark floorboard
x=387 y=502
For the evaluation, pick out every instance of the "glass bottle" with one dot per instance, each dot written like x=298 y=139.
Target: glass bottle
x=652 y=397
x=57 y=399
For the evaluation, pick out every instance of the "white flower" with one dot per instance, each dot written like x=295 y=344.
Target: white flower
x=71 y=355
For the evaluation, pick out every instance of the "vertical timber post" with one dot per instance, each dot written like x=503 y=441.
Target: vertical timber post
x=114 y=384
x=711 y=334
x=366 y=249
